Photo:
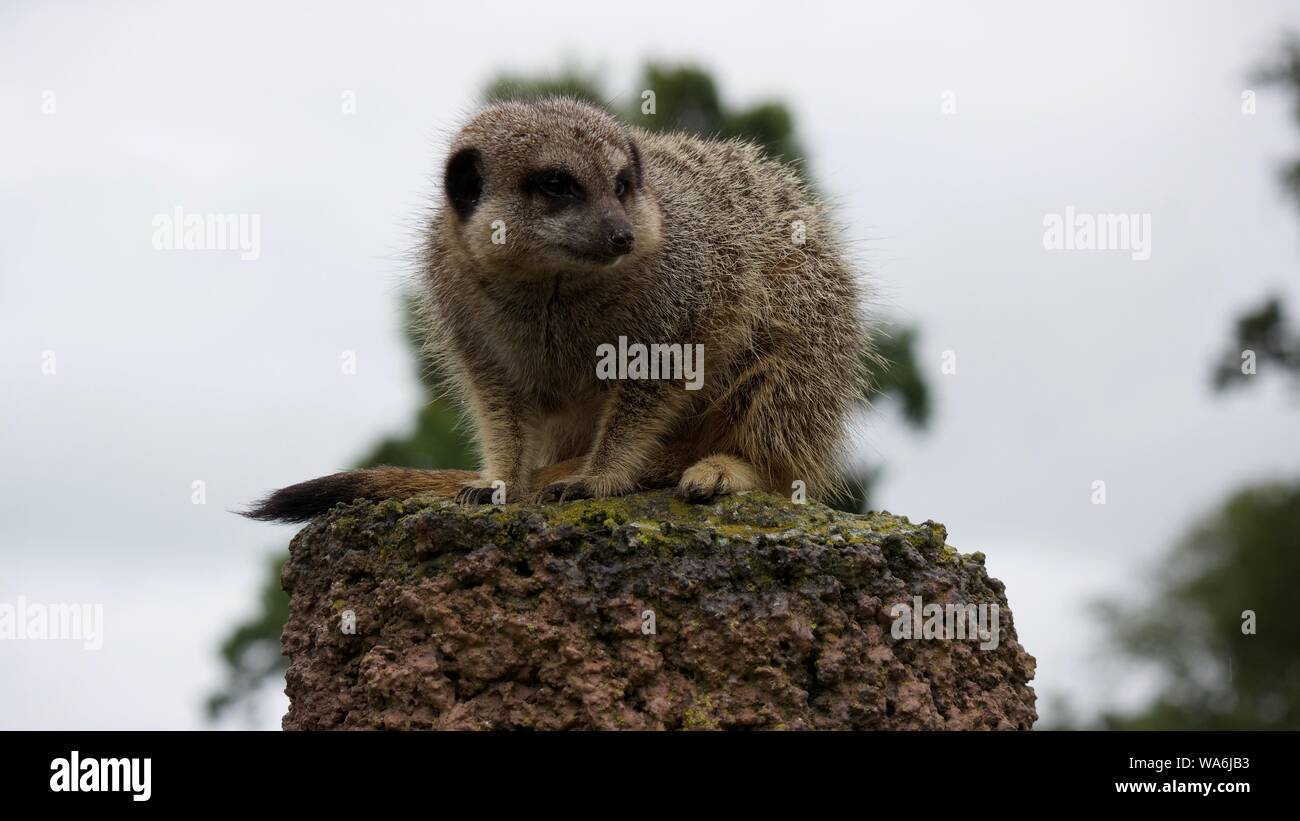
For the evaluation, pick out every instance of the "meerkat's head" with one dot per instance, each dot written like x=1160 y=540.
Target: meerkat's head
x=549 y=186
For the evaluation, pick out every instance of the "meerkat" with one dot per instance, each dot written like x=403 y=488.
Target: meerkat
x=560 y=230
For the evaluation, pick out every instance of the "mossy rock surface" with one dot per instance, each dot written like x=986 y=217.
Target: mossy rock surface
x=640 y=612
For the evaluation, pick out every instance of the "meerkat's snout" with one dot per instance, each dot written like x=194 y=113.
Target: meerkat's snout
x=602 y=236
x=619 y=237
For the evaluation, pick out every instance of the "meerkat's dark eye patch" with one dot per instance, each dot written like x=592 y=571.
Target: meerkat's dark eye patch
x=464 y=181
x=635 y=154
x=556 y=185
x=623 y=183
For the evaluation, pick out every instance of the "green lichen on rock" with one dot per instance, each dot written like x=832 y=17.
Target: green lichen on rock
x=638 y=612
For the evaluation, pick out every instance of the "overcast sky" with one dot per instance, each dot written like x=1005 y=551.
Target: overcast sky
x=172 y=367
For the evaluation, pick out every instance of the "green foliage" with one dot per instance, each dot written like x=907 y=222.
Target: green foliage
x=892 y=373
x=1244 y=556
x=568 y=82
x=895 y=374
x=1265 y=330
x=1285 y=72
x=440 y=439
x=686 y=99
x=251 y=651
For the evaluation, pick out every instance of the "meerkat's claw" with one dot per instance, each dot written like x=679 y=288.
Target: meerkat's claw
x=699 y=492
x=566 y=490
x=470 y=495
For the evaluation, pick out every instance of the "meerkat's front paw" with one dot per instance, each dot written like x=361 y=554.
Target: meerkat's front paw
x=716 y=476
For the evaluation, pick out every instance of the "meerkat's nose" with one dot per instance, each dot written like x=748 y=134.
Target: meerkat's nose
x=620 y=239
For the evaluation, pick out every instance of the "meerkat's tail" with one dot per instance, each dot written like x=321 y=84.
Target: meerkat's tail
x=300 y=502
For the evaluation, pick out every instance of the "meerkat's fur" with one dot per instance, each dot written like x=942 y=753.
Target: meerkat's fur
x=561 y=230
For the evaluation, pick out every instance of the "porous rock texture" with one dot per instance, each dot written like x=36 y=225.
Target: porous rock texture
x=639 y=612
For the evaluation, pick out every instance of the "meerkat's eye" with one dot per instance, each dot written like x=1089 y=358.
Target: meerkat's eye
x=557 y=185
x=622 y=184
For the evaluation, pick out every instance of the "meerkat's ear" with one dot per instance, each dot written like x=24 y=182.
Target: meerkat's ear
x=463 y=181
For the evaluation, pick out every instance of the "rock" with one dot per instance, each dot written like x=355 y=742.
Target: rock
x=640 y=612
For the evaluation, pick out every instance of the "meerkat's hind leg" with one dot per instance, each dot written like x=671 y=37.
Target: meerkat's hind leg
x=716 y=475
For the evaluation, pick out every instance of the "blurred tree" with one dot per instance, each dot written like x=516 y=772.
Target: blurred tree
x=251 y=652
x=897 y=374
x=1266 y=330
x=1243 y=557
x=571 y=81
x=1214 y=674
x=686 y=99
x=1266 y=333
